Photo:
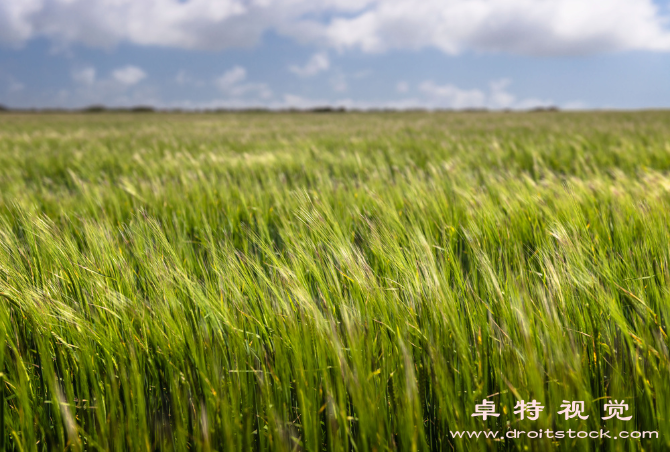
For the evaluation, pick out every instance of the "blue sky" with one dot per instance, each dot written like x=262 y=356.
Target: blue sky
x=358 y=54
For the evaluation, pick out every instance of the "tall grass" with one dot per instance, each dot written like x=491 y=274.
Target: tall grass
x=334 y=282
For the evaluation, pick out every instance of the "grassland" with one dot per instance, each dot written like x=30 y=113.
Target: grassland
x=334 y=282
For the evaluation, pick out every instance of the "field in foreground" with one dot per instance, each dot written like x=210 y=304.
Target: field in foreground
x=352 y=282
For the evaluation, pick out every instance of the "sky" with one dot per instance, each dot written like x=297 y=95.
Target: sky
x=447 y=54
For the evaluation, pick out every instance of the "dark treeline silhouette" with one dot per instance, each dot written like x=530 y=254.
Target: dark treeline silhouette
x=99 y=108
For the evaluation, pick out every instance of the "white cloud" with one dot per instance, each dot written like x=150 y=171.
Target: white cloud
x=108 y=91
x=293 y=101
x=16 y=20
x=402 y=87
x=191 y=24
x=318 y=63
x=433 y=96
x=231 y=83
x=451 y=96
x=536 y=27
x=120 y=88
x=230 y=78
x=532 y=27
x=575 y=105
x=107 y=22
x=84 y=76
x=498 y=97
x=129 y=75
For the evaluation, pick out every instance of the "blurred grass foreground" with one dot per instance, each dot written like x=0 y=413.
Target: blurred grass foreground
x=321 y=282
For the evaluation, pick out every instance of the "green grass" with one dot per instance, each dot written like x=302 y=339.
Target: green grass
x=331 y=281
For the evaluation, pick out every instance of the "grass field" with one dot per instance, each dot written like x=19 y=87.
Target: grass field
x=334 y=282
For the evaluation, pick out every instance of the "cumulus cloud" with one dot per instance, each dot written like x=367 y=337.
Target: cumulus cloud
x=188 y=24
x=531 y=27
x=318 y=63
x=16 y=20
x=431 y=96
x=497 y=97
x=85 y=75
x=451 y=96
x=231 y=78
x=108 y=22
x=120 y=87
x=517 y=26
x=294 y=101
x=129 y=75
x=232 y=83
x=575 y=105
